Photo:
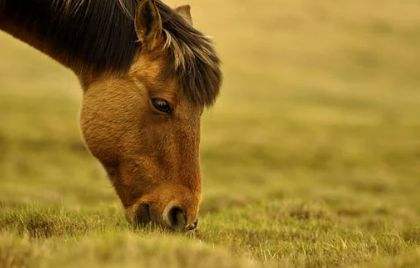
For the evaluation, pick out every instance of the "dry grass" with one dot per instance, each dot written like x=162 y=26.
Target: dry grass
x=311 y=157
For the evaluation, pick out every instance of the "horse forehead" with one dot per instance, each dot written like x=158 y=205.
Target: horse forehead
x=147 y=67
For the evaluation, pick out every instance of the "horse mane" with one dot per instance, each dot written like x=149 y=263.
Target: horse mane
x=99 y=37
x=192 y=57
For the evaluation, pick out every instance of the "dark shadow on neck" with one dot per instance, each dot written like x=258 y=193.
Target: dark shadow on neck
x=87 y=36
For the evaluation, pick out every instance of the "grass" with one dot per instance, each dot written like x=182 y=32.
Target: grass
x=310 y=158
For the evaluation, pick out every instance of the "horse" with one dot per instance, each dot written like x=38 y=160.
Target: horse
x=147 y=75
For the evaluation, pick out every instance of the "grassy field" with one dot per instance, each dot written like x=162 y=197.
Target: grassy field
x=310 y=158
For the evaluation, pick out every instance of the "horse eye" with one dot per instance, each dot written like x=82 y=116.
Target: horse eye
x=162 y=105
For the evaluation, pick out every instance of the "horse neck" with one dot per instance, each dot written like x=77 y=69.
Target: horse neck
x=23 y=25
x=89 y=37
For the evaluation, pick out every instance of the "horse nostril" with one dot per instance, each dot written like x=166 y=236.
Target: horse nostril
x=176 y=218
x=143 y=214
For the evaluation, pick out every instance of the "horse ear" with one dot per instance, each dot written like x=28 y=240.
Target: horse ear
x=148 y=23
x=185 y=12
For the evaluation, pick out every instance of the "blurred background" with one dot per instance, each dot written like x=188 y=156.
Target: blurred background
x=318 y=120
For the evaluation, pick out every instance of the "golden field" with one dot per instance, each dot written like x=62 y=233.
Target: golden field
x=311 y=157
